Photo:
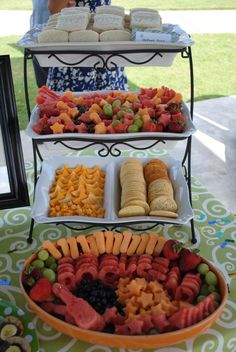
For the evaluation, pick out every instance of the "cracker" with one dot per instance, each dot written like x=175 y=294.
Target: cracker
x=162 y=213
x=140 y=203
x=132 y=210
x=164 y=203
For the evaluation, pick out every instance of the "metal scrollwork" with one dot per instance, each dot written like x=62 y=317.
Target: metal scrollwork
x=111 y=65
x=101 y=61
x=83 y=227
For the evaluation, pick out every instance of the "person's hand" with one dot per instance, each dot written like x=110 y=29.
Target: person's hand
x=71 y=3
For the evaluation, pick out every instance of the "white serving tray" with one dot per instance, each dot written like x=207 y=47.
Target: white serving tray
x=189 y=130
x=71 y=53
x=112 y=192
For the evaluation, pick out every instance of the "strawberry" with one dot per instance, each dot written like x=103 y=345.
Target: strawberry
x=189 y=260
x=179 y=118
x=177 y=123
x=159 y=127
x=175 y=127
x=171 y=249
x=41 y=291
x=149 y=127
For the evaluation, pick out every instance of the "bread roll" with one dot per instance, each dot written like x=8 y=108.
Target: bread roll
x=111 y=10
x=84 y=36
x=73 y=22
x=141 y=19
x=143 y=9
x=53 y=36
x=74 y=10
x=106 y=22
x=115 y=35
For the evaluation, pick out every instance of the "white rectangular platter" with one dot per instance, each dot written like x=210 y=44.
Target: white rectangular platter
x=112 y=192
x=76 y=54
x=189 y=130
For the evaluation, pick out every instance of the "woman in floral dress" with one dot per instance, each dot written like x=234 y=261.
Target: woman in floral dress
x=84 y=78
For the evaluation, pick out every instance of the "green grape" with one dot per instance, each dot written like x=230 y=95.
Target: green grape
x=43 y=255
x=200 y=298
x=51 y=260
x=107 y=109
x=53 y=266
x=204 y=290
x=203 y=268
x=116 y=103
x=152 y=332
x=138 y=122
x=133 y=129
x=217 y=296
x=211 y=289
x=211 y=278
x=120 y=114
x=49 y=274
x=37 y=263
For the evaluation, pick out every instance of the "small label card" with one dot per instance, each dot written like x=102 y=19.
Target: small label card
x=152 y=37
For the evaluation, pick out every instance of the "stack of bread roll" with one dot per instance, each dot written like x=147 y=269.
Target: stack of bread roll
x=160 y=189
x=76 y=24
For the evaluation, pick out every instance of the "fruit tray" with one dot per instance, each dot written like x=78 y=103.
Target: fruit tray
x=112 y=192
x=135 y=320
x=109 y=138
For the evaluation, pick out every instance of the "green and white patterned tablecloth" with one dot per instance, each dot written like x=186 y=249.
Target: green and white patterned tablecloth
x=213 y=225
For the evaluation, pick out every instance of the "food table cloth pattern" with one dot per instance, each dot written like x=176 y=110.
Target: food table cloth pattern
x=215 y=231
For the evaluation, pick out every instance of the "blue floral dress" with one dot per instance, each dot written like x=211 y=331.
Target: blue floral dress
x=87 y=78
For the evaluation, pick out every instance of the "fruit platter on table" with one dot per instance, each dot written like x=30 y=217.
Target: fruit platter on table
x=122 y=289
x=111 y=191
x=17 y=333
x=155 y=111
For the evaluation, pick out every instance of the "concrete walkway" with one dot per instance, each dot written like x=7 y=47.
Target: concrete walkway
x=217 y=21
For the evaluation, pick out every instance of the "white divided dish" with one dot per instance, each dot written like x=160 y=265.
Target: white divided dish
x=112 y=192
x=189 y=130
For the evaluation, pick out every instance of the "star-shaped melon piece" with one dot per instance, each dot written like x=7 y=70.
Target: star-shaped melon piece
x=57 y=128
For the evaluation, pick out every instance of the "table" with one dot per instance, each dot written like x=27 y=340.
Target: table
x=216 y=237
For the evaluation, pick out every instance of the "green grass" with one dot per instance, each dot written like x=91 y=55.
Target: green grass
x=157 y=4
x=213 y=57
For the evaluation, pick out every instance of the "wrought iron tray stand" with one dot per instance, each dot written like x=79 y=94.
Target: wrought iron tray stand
x=111 y=146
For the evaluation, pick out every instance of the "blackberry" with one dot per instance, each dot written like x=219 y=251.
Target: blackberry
x=81 y=109
x=77 y=121
x=109 y=328
x=98 y=295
